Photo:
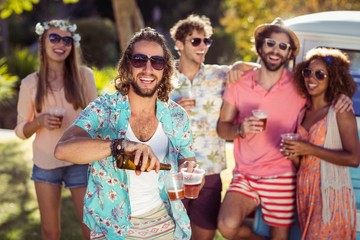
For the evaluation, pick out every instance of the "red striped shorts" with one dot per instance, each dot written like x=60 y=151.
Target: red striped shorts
x=275 y=194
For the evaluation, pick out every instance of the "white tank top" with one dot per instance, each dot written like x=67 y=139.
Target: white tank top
x=143 y=190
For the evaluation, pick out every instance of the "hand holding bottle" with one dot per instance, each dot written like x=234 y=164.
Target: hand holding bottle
x=136 y=156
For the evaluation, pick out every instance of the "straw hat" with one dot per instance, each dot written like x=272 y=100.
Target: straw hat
x=279 y=23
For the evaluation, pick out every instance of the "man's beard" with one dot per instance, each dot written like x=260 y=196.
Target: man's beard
x=272 y=67
x=146 y=92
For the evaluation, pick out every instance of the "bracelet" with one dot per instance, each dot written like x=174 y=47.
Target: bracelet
x=117 y=148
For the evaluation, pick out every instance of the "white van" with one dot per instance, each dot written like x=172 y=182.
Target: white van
x=335 y=29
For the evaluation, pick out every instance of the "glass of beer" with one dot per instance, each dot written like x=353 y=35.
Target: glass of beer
x=192 y=182
x=58 y=112
x=289 y=136
x=189 y=93
x=174 y=185
x=261 y=115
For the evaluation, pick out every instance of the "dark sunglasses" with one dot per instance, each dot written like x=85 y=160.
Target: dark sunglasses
x=272 y=43
x=196 y=41
x=140 y=60
x=319 y=74
x=55 y=38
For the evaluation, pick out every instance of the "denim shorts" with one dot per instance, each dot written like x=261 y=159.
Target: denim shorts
x=71 y=176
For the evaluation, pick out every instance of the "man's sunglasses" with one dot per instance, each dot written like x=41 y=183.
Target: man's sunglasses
x=55 y=38
x=272 y=43
x=319 y=74
x=140 y=60
x=196 y=41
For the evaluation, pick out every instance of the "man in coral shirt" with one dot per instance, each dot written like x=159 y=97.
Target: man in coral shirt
x=262 y=175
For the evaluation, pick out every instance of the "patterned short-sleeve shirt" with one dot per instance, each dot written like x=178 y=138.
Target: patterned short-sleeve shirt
x=107 y=207
x=207 y=88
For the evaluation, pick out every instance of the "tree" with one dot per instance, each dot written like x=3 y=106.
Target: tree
x=128 y=20
x=242 y=16
x=8 y=7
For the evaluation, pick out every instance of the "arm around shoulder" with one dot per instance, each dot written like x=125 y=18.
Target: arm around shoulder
x=244 y=66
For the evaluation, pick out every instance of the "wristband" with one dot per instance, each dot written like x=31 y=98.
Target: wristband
x=117 y=148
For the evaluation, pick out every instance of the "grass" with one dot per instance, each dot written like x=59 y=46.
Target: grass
x=19 y=214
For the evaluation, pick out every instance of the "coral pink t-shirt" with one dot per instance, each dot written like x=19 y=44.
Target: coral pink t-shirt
x=259 y=154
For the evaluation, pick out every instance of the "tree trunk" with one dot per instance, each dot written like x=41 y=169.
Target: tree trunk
x=4 y=38
x=128 y=20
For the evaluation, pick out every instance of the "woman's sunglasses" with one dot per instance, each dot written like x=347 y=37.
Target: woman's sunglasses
x=319 y=74
x=272 y=43
x=140 y=60
x=55 y=38
x=196 y=41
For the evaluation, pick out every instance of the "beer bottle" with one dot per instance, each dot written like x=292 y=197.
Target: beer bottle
x=126 y=161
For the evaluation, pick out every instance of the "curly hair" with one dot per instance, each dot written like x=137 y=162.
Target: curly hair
x=338 y=67
x=186 y=26
x=123 y=79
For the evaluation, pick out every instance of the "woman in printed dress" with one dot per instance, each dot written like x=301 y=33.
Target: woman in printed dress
x=327 y=146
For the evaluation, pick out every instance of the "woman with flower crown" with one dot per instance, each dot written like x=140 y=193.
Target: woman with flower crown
x=49 y=101
x=328 y=146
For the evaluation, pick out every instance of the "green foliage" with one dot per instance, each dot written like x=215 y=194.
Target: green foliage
x=7 y=83
x=98 y=41
x=222 y=49
x=15 y=192
x=22 y=62
x=21 y=31
x=8 y=7
x=19 y=212
x=105 y=79
x=241 y=17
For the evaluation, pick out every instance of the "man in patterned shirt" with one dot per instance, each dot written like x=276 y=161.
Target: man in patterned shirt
x=199 y=88
x=139 y=119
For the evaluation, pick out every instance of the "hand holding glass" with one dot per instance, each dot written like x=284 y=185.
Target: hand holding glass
x=289 y=136
x=192 y=182
x=58 y=112
x=261 y=115
x=189 y=101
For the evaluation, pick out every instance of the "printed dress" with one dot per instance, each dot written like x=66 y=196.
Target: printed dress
x=308 y=194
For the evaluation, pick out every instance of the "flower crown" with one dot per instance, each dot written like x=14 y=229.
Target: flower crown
x=40 y=28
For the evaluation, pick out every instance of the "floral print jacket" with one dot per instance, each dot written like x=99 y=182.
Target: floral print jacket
x=107 y=207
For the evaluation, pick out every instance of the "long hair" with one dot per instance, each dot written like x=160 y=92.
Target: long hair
x=74 y=93
x=338 y=68
x=123 y=79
